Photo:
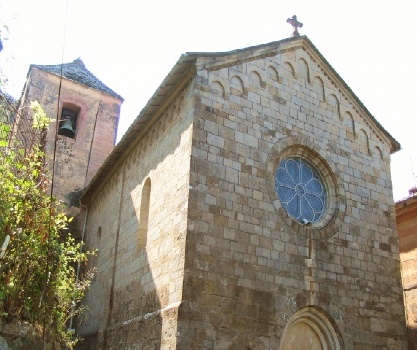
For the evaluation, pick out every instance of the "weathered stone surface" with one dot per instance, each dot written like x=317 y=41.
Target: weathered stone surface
x=224 y=266
x=77 y=159
x=18 y=335
x=406 y=213
x=134 y=297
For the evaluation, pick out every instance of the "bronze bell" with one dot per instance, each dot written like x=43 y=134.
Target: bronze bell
x=66 y=128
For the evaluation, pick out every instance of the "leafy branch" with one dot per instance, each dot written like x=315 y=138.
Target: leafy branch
x=38 y=281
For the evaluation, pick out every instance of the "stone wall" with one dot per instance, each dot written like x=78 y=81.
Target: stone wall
x=406 y=212
x=195 y=250
x=249 y=267
x=18 y=335
x=137 y=289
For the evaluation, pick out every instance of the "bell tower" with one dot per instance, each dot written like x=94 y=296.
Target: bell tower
x=87 y=113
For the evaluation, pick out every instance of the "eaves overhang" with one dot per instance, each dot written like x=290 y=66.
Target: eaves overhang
x=181 y=69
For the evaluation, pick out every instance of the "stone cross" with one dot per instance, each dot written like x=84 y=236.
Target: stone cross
x=293 y=21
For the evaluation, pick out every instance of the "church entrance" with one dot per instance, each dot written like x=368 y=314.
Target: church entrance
x=310 y=328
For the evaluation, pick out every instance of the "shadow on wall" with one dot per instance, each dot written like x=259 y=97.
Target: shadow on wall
x=412 y=336
x=140 y=264
x=135 y=318
x=125 y=281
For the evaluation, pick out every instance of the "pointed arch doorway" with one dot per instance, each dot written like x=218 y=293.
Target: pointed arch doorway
x=310 y=328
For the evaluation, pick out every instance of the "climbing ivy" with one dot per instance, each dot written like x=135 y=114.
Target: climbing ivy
x=38 y=257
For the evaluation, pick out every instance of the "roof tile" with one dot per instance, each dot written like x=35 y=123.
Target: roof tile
x=77 y=72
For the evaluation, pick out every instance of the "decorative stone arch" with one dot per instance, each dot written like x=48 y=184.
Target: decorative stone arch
x=171 y=114
x=334 y=103
x=218 y=88
x=318 y=87
x=152 y=136
x=378 y=151
x=142 y=149
x=350 y=123
x=273 y=73
x=303 y=70
x=288 y=71
x=364 y=141
x=160 y=127
x=311 y=328
x=236 y=85
x=129 y=161
x=256 y=78
x=164 y=120
x=180 y=104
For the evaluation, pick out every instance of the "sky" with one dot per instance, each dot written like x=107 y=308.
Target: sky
x=132 y=45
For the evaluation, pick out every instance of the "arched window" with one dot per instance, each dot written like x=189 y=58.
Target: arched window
x=144 y=213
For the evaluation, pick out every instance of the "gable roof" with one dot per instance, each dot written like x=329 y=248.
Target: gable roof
x=181 y=69
x=77 y=72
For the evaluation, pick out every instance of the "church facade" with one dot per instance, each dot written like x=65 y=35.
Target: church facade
x=248 y=206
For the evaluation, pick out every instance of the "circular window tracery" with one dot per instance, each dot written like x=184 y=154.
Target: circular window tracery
x=324 y=211
x=300 y=190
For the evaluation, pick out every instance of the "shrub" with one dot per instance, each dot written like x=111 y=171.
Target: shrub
x=38 y=258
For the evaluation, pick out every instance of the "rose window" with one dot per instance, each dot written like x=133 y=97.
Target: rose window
x=300 y=190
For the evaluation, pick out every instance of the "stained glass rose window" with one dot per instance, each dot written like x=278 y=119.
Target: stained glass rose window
x=300 y=190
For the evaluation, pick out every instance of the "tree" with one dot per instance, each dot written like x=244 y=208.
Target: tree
x=38 y=258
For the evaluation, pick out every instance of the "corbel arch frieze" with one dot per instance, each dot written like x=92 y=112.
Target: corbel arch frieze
x=333 y=102
x=363 y=140
x=272 y=74
x=349 y=122
x=333 y=85
x=318 y=87
x=219 y=84
x=256 y=78
x=303 y=69
x=379 y=152
x=287 y=71
x=237 y=86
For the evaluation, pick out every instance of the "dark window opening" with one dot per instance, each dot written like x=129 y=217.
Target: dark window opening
x=68 y=123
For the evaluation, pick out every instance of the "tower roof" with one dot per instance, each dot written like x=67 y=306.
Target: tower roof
x=77 y=72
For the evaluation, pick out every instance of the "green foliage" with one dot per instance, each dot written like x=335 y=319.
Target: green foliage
x=40 y=119
x=38 y=258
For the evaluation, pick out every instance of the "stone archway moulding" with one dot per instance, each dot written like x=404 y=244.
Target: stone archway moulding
x=311 y=328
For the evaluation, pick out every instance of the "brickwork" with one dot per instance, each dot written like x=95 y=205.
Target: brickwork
x=79 y=158
x=224 y=265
